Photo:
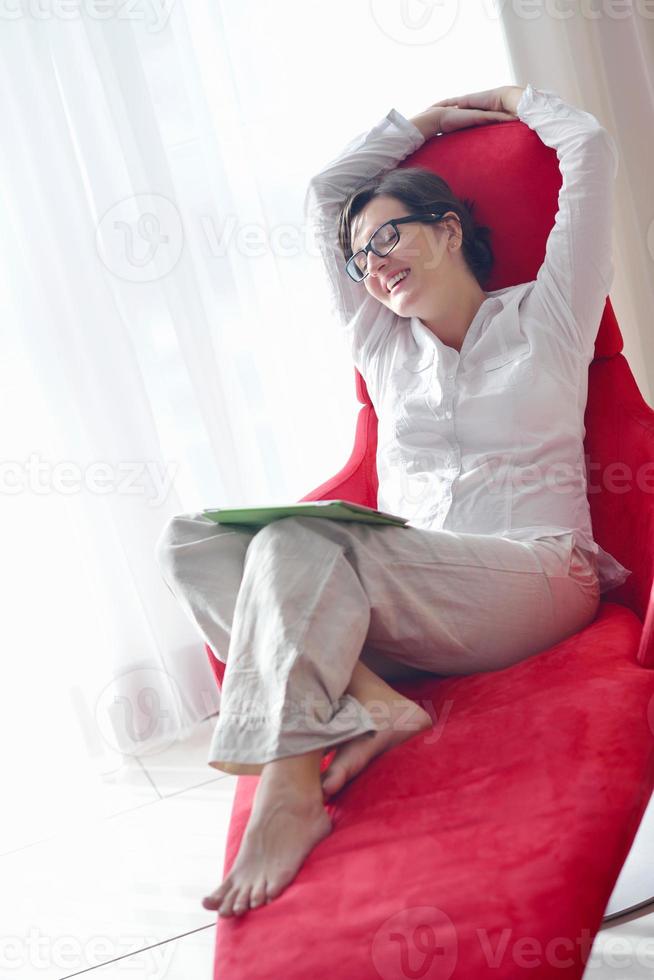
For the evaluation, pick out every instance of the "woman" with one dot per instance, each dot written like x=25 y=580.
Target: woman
x=486 y=573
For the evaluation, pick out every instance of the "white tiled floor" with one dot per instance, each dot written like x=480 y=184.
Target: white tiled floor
x=120 y=892
x=624 y=949
x=127 y=878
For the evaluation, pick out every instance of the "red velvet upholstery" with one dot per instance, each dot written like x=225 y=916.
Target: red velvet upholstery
x=489 y=845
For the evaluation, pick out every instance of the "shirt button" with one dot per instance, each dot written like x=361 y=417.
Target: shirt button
x=450 y=377
x=448 y=415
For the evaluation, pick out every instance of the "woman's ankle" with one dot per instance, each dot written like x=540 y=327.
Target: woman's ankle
x=365 y=684
x=301 y=771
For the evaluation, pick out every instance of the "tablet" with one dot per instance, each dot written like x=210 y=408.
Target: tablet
x=337 y=510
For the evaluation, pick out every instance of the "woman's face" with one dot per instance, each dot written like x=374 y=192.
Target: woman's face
x=421 y=251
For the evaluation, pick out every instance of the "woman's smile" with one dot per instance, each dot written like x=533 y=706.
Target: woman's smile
x=399 y=285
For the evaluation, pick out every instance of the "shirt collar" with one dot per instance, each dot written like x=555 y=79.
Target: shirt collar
x=490 y=307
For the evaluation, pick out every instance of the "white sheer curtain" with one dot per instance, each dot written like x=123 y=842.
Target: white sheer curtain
x=167 y=342
x=601 y=56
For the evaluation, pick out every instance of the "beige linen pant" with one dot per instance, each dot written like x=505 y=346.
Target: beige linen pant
x=290 y=608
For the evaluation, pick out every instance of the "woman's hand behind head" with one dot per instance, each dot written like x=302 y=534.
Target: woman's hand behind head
x=455 y=117
x=502 y=99
x=446 y=119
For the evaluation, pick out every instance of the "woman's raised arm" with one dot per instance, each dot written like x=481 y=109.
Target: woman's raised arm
x=380 y=149
x=574 y=280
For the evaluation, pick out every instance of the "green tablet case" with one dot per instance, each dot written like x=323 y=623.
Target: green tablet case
x=338 y=510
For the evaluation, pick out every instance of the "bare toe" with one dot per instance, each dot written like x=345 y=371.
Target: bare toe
x=242 y=903
x=333 y=778
x=228 y=902
x=258 y=894
x=214 y=899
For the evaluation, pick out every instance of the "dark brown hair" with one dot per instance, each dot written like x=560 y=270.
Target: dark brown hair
x=421 y=190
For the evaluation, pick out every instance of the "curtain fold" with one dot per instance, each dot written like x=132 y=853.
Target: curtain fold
x=601 y=58
x=104 y=477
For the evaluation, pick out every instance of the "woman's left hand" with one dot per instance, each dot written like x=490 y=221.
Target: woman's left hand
x=448 y=118
x=502 y=99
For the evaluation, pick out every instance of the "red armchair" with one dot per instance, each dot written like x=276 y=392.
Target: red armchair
x=490 y=845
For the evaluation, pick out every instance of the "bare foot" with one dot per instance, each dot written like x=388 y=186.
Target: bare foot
x=404 y=719
x=284 y=826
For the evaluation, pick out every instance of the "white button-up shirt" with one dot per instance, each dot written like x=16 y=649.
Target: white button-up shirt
x=489 y=439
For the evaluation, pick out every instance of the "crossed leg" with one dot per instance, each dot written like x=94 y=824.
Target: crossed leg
x=288 y=816
x=303 y=595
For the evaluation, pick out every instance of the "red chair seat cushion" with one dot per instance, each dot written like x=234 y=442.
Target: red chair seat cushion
x=487 y=846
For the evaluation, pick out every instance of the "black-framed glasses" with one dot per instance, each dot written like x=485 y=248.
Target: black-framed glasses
x=382 y=242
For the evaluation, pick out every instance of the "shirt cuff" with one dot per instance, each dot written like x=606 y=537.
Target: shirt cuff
x=407 y=127
x=532 y=96
x=537 y=98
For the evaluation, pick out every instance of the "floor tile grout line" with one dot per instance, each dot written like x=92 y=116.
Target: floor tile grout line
x=206 y=782
x=111 y=772
x=148 y=777
x=113 y=816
